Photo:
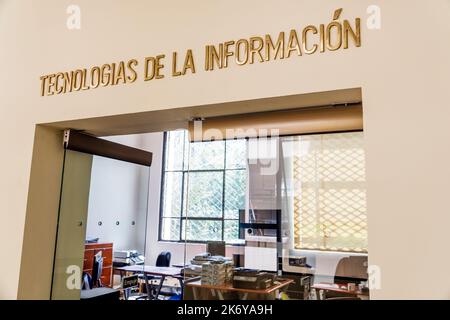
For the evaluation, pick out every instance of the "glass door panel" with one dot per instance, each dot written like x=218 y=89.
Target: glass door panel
x=102 y=223
x=324 y=201
x=69 y=253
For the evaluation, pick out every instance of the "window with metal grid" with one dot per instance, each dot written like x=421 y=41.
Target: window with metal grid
x=204 y=186
x=330 y=193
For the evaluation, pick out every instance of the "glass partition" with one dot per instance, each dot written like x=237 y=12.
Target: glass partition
x=267 y=218
x=324 y=203
x=102 y=225
x=232 y=246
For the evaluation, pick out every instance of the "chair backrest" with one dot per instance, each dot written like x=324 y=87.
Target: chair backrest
x=352 y=267
x=163 y=259
x=97 y=270
x=86 y=281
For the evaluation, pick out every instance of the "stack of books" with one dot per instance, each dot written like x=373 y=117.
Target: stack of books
x=217 y=272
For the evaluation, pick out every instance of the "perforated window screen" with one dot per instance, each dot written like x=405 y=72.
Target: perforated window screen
x=330 y=193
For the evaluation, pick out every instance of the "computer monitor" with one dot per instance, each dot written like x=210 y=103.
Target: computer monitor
x=216 y=248
x=261 y=217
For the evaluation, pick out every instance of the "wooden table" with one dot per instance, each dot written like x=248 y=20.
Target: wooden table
x=341 y=288
x=148 y=271
x=273 y=290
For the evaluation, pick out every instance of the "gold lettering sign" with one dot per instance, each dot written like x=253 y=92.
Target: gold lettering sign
x=309 y=40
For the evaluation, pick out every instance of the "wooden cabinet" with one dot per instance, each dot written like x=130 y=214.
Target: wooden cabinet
x=91 y=249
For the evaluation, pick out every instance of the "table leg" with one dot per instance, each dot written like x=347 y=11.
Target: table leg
x=147 y=287
x=158 y=289
x=321 y=295
x=181 y=288
x=126 y=293
x=194 y=292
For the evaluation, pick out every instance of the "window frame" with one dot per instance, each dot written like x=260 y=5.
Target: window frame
x=182 y=216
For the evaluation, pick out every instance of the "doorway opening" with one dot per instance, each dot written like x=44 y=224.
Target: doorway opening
x=217 y=198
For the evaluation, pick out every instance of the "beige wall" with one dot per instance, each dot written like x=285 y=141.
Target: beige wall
x=403 y=70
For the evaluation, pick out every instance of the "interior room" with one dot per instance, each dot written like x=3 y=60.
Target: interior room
x=265 y=213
